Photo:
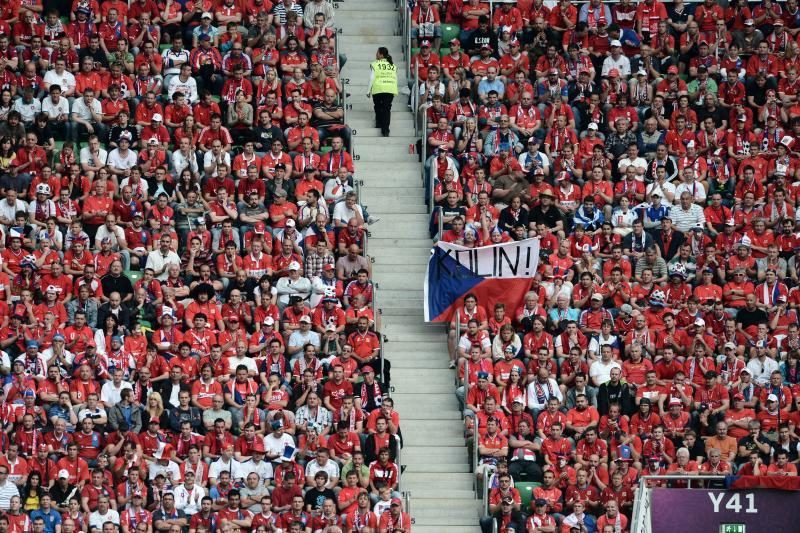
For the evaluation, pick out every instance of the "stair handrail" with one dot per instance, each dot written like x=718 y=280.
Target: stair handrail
x=485 y=489
x=405 y=21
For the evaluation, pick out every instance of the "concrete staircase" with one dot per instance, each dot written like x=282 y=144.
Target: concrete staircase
x=437 y=470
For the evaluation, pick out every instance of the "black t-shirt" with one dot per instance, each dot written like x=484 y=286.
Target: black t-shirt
x=751 y=318
x=315 y=498
x=549 y=218
x=750 y=444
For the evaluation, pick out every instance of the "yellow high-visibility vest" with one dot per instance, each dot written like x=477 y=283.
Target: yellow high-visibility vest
x=385 y=77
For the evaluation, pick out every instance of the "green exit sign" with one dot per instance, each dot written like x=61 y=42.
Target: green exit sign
x=731 y=528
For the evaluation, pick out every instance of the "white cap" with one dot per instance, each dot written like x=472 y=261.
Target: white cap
x=294 y=265
x=269 y=321
x=291 y=223
x=305 y=318
x=699 y=322
x=206 y=14
x=772 y=398
x=157 y=117
x=592 y=126
x=63 y=473
x=615 y=42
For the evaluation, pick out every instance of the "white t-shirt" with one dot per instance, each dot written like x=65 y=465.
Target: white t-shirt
x=96 y=520
x=233 y=466
x=54 y=110
x=111 y=395
x=65 y=80
x=600 y=372
x=121 y=162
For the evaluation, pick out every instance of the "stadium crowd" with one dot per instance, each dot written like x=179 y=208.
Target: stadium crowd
x=186 y=308
x=653 y=149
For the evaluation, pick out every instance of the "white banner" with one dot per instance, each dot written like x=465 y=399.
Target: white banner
x=507 y=260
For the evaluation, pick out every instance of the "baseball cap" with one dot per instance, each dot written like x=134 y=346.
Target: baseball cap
x=547 y=191
x=268 y=321
x=260 y=228
x=540 y=502
x=742 y=118
x=294 y=265
x=455 y=41
x=738 y=397
x=674 y=401
x=592 y=126
x=483 y=375
x=519 y=399
x=616 y=42
x=291 y=223
x=425 y=43
x=233 y=318
x=699 y=322
x=553 y=71
x=772 y=398
x=305 y=318
x=749 y=22
x=778 y=22
x=58 y=337
x=138 y=214
x=396 y=501
x=730 y=345
x=31 y=344
x=328 y=267
x=672 y=70
x=641 y=72
x=206 y=15
x=626 y=308
x=597 y=297
x=153 y=140
x=330 y=327
x=63 y=474
x=367 y=369
x=508 y=500
x=486 y=46
x=613 y=73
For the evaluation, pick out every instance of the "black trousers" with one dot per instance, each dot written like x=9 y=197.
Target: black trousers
x=383 y=110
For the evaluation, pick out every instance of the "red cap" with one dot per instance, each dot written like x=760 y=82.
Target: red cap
x=396 y=501
x=672 y=70
x=260 y=228
x=367 y=369
x=328 y=266
x=613 y=73
x=43 y=447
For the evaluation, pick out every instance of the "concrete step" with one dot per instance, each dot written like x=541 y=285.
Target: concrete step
x=374 y=154
x=423 y=454
x=368 y=132
x=400 y=243
x=393 y=206
x=405 y=401
x=420 y=413
x=433 y=495
x=397 y=332
x=414 y=349
x=415 y=480
x=438 y=467
x=404 y=378
x=424 y=528
x=386 y=143
x=405 y=195
x=397 y=281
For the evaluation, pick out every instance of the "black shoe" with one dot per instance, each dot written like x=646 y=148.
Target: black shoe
x=385 y=132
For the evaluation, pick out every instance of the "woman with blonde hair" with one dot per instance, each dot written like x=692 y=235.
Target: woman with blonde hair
x=154 y=410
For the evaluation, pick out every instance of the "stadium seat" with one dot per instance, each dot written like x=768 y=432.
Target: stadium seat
x=450 y=31
x=526 y=493
x=133 y=275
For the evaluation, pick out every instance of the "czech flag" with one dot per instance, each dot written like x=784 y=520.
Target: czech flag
x=497 y=273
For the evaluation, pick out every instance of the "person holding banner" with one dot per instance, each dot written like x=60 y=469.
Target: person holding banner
x=382 y=88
